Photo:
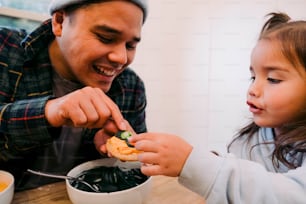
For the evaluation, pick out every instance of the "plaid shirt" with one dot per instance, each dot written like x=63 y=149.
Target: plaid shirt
x=26 y=85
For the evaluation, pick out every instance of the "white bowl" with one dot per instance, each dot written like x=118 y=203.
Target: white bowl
x=135 y=195
x=6 y=196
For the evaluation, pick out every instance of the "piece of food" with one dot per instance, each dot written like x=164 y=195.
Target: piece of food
x=123 y=135
x=3 y=186
x=119 y=147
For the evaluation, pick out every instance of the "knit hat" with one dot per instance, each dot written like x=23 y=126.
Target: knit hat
x=61 y=4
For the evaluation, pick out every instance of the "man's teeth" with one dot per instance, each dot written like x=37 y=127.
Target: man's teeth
x=107 y=72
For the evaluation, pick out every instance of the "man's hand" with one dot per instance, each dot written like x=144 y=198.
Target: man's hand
x=88 y=107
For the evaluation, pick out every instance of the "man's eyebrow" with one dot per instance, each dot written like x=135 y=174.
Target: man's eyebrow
x=111 y=30
x=107 y=29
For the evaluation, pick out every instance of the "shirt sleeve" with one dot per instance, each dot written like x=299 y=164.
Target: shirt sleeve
x=23 y=126
x=229 y=179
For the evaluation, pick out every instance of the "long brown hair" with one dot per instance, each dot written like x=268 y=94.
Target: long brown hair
x=291 y=143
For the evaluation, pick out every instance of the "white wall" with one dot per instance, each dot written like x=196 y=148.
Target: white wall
x=194 y=59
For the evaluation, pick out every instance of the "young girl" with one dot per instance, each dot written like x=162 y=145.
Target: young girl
x=267 y=160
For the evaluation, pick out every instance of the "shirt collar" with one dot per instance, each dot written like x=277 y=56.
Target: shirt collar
x=118 y=85
x=37 y=39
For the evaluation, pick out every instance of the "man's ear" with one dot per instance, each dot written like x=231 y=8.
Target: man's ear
x=57 y=23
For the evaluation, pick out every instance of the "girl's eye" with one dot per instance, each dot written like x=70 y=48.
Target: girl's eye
x=252 y=78
x=274 y=81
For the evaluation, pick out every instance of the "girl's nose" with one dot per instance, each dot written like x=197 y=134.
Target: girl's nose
x=254 y=89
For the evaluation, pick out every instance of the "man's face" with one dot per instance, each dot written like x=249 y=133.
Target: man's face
x=95 y=43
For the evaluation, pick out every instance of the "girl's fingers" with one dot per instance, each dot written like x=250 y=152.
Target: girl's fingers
x=150 y=169
x=148 y=158
x=146 y=146
x=143 y=136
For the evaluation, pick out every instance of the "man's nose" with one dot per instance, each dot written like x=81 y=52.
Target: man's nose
x=118 y=55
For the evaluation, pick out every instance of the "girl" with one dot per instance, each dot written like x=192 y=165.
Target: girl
x=267 y=160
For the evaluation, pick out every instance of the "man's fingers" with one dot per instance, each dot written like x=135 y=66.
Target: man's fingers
x=114 y=111
x=88 y=107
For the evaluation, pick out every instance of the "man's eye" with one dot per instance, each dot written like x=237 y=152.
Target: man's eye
x=105 y=40
x=131 y=46
x=274 y=81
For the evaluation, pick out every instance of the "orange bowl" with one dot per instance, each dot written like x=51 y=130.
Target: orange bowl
x=6 y=187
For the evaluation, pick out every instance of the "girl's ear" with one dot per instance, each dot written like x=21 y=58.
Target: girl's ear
x=57 y=23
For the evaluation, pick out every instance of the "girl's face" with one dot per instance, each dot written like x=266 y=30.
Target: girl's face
x=95 y=43
x=277 y=94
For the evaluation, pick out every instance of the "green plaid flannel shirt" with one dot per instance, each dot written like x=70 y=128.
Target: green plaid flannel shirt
x=26 y=85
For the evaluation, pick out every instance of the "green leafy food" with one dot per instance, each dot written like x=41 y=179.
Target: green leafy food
x=124 y=135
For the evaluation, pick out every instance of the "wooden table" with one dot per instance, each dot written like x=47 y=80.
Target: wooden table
x=165 y=190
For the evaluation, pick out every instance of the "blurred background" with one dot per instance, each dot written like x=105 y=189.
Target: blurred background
x=194 y=58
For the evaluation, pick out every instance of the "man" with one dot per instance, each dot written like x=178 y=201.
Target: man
x=65 y=88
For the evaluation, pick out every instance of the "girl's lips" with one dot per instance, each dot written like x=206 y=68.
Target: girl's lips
x=254 y=109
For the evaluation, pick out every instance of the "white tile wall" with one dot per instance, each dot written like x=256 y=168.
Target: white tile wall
x=194 y=59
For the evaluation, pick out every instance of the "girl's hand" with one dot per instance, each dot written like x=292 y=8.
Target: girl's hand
x=164 y=154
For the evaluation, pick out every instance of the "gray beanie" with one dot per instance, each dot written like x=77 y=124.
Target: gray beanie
x=61 y=4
